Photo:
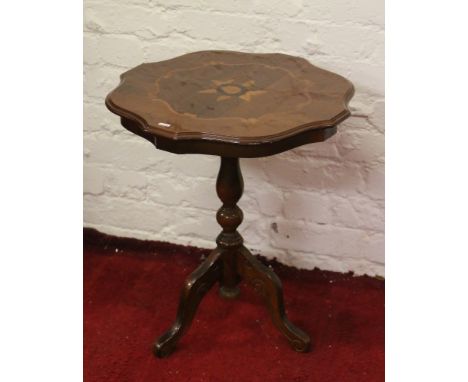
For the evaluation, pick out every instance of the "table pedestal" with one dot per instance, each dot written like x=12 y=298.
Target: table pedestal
x=228 y=264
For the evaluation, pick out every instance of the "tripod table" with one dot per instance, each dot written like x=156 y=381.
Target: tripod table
x=233 y=105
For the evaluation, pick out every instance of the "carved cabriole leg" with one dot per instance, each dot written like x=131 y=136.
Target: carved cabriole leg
x=268 y=286
x=229 y=187
x=195 y=287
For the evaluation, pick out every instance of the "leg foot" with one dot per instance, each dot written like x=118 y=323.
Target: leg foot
x=195 y=287
x=268 y=286
x=229 y=293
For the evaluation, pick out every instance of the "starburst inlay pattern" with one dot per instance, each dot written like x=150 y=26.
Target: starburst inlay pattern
x=227 y=89
x=216 y=90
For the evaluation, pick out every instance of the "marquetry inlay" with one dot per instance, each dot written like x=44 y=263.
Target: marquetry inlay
x=218 y=90
x=234 y=97
x=225 y=89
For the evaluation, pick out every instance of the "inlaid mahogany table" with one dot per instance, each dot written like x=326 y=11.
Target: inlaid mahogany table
x=234 y=105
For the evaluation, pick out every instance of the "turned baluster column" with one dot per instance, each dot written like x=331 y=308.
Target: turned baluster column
x=229 y=187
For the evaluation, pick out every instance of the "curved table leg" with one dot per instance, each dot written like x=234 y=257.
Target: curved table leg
x=268 y=286
x=195 y=287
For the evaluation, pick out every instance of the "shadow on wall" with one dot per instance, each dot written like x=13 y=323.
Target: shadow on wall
x=314 y=168
x=323 y=192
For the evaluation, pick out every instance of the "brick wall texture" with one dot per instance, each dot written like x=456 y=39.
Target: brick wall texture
x=320 y=205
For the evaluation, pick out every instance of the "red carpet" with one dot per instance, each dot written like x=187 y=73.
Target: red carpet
x=131 y=290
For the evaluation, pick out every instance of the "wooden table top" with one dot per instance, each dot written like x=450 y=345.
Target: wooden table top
x=230 y=103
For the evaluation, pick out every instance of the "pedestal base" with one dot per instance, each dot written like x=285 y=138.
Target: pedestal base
x=228 y=264
x=265 y=282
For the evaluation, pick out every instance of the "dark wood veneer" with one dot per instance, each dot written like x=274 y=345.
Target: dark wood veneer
x=273 y=102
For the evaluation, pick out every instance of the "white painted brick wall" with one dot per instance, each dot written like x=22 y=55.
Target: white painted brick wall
x=318 y=205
